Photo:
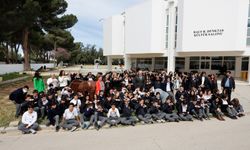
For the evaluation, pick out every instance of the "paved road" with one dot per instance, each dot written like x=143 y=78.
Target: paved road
x=207 y=135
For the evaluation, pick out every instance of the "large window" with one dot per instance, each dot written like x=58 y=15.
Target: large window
x=179 y=63
x=176 y=24
x=216 y=63
x=194 y=63
x=161 y=63
x=244 y=64
x=248 y=29
x=167 y=28
x=205 y=62
x=144 y=63
x=230 y=63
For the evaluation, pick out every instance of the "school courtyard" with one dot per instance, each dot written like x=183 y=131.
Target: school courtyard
x=197 y=135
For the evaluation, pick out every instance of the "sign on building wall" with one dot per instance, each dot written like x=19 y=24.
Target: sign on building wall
x=212 y=25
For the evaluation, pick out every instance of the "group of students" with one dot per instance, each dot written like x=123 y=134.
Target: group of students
x=125 y=98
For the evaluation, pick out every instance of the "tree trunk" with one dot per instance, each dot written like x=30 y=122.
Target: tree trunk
x=26 y=49
x=7 y=56
x=16 y=52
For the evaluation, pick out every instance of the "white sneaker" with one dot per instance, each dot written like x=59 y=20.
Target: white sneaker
x=33 y=131
x=73 y=129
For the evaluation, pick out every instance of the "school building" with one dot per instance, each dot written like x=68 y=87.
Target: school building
x=184 y=35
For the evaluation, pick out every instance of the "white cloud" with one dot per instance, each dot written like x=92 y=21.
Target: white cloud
x=89 y=29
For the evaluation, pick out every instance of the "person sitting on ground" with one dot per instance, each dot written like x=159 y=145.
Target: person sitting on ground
x=238 y=107
x=71 y=119
x=28 y=123
x=18 y=97
x=216 y=109
x=113 y=116
x=127 y=118
x=54 y=116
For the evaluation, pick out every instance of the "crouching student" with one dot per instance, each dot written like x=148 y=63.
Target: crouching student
x=168 y=108
x=238 y=107
x=184 y=111
x=113 y=116
x=99 y=117
x=216 y=109
x=54 y=116
x=28 y=124
x=127 y=118
x=71 y=119
x=142 y=114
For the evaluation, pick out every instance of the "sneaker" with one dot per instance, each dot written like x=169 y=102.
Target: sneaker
x=33 y=131
x=73 y=129
x=84 y=126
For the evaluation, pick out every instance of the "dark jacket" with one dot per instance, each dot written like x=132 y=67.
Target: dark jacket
x=18 y=96
x=166 y=108
x=141 y=111
x=163 y=86
x=231 y=82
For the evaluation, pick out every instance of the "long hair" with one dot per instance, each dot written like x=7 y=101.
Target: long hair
x=37 y=75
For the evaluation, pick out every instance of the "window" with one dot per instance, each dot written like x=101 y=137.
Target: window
x=248 y=29
x=179 y=63
x=144 y=63
x=205 y=62
x=161 y=63
x=230 y=63
x=244 y=64
x=167 y=28
x=216 y=63
x=176 y=25
x=194 y=63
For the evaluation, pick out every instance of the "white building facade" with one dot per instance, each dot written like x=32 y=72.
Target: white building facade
x=184 y=35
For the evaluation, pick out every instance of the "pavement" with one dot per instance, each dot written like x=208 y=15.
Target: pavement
x=197 y=135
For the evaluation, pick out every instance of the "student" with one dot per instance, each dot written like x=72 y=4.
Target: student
x=38 y=82
x=54 y=116
x=63 y=79
x=216 y=109
x=228 y=84
x=88 y=115
x=18 y=97
x=99 y=118
x=71 y=119
x=184 y=111
x=142 y=114
x=113 y=116
x=228 y=108
x=100 y=86
x=238 y=107
x=28 y=123
x=52 y=81
x=77 y=103
x=168 y=108
x=157 y=115
x=127 y=118
x=43 y=105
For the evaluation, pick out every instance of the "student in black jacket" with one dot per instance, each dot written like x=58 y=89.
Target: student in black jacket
x=168 y=108
x=142 y=114
x=126 y=117
x=54 y=116
x=100 y=117
x=184 y=111
x=154 y=110
x=18 y=97
x=216 y=109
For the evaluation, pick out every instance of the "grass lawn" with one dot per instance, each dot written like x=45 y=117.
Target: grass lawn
x=10 y=76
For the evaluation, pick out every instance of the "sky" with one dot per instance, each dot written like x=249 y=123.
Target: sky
x=90 y=14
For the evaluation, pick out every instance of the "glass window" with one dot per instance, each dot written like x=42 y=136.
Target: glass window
x=161 y=63
x=176 y=25
x=216 y=63
x=230 y=62
x=167 y=28
x=248 y=41
x=248 y=31
x=179 y=63
x=194 y=63
x=144 y=63
x=205 y=62
x=244 y=64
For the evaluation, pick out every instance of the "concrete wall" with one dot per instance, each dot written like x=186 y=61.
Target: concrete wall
x=9 y=68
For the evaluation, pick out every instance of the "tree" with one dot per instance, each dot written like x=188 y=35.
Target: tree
x=28 y=16
x=61 y=55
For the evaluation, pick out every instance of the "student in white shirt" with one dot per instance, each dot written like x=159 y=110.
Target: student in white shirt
x=28 y=124
x=113 y=116
x=77 y=102
x=52 y=81
x=63 y=79
x=71 y=119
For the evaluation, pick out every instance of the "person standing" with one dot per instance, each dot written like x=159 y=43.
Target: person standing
x=228 y=85
x=100 y=86
x=38 y=82
x=63 y=79
x=18 y=97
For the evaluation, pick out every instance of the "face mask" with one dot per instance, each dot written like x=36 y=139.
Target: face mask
x=25 y=90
